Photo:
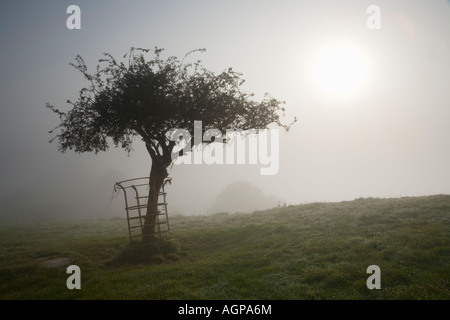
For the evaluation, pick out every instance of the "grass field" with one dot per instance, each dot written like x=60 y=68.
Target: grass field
x=311 y=251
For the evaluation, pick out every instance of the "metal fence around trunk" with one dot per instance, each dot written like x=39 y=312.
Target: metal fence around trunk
x=136 y=197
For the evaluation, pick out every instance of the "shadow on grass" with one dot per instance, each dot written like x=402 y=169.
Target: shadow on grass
x=163 y=251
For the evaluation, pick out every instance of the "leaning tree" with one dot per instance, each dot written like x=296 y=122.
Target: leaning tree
x=150 y=98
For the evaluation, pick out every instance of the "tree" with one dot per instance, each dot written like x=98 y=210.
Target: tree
x=150 y=99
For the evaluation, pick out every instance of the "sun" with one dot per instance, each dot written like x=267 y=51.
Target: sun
x=339 y=70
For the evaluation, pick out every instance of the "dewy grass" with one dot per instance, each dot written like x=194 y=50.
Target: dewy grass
x=311 y=251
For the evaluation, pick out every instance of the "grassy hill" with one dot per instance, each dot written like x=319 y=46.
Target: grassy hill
x=311 y=251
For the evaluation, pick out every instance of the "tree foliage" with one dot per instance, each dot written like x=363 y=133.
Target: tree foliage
x=151 y=98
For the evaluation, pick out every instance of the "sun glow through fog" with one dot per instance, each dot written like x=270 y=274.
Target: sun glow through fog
x=339 y=71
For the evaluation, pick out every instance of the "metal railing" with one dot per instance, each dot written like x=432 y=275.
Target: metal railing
x=136 y=208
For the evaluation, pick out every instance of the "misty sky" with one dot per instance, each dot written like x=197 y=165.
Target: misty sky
x=387 y=135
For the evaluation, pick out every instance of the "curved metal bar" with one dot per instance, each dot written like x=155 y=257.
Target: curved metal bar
x=138 y=206
x=126 y=207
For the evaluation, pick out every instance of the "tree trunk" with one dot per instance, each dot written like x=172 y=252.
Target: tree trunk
x=157 y=175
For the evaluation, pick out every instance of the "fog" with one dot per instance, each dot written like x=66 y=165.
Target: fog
x=387 y=135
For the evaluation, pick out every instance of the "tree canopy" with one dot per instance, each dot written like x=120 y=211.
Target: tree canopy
x=150 y=98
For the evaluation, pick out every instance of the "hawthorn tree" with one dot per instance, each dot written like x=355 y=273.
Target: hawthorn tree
x=150 y=98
